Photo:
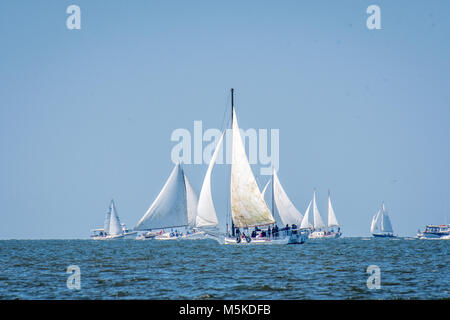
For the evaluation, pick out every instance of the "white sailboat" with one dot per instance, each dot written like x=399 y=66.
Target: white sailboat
x=248 y=208
x=112 y=228
x=174 y=208
x=317 y=226
x=381 y=226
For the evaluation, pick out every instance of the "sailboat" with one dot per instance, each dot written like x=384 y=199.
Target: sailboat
x=248 y=208
x=317 y=226
x=175 y=207
x=112 y=228
x=381 y=224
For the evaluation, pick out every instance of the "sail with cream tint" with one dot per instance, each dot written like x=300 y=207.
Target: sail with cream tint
x=206 y=212
x=248 y=207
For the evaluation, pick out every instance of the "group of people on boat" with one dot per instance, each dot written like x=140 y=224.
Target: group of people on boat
x=274 y=232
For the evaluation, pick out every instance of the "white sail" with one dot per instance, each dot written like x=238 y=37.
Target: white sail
x=170 y=207
x=248 y=207
x=192 y=202
x=375 y=222
x=306 y=224
x=114 y=226
x=332 y=220
x=386 y=225
x=206 y=212
x=107 y=222
x=283 y=205
x=265 y=188
x=318 y=222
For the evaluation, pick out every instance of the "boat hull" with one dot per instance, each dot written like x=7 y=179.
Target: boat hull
x=125 y=236
x=295 y=238
x=322 y=235
x=199 y=235
x=378 y=235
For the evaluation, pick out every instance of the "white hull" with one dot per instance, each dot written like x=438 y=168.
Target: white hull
x=167 y=237
x=322 y=235
x=262 y=241
x=297 y=238
x=422 y=236
x=125 y=236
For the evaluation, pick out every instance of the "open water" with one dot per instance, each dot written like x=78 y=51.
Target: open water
x=204 y=269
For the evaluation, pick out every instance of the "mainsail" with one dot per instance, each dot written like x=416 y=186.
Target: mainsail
x=386 y=225
x=206 y=212
x=248 y=207
x=332 y=220
x=170 y=208
x=283 y=205
x=114 y=226
x=318 y=222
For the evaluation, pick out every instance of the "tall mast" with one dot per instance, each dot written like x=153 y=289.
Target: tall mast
x=273 y=185
x=231 y=214
x=328 y=208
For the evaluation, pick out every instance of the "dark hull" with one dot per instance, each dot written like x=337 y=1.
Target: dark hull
x=383 y=235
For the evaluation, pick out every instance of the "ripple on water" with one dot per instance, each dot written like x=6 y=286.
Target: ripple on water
x=206 y=270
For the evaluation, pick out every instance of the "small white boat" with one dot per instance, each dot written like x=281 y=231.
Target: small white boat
x=316 y=228
x=435 y=232
x=381 y=226
x=112 y=229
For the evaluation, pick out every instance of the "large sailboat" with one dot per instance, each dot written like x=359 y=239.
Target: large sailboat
x=381 y=226
x=174 y=209
x=248 y=208
x=317 y=228
x=112 y=228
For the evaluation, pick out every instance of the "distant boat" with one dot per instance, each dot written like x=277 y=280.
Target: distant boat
x=381 y=226
x=435 y=232
x=317 y=226
x=112 y=228
x=174 y=209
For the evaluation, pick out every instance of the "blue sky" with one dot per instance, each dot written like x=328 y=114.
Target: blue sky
x=86 y=115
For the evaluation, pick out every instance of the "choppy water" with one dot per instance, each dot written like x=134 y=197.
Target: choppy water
x=204 y=269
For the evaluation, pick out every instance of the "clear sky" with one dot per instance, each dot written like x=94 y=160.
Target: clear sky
x=86 y=115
